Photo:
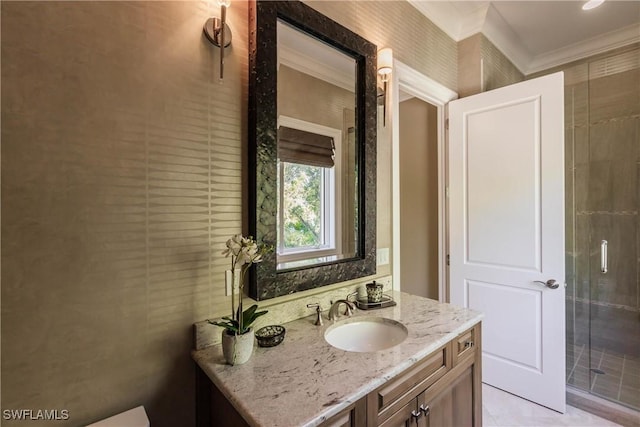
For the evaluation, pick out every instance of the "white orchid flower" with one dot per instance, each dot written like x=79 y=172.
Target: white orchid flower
x=234 y=244
x=244 y=252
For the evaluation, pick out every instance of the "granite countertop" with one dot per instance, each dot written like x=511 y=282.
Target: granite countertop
x=304 y=380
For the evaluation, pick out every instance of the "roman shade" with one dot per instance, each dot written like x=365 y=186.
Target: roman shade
x=307 y=148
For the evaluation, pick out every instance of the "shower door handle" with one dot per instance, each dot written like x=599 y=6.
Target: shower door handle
x=551 y=283
x=604 y=256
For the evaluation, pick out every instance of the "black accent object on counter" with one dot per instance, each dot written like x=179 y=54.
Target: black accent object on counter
x=374 y=292
x=364 y=304
x=270 y=336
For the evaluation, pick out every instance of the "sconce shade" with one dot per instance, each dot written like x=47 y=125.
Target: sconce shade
x=225 y=3
x=385 y=61
x=592 y=4
x=385 y=67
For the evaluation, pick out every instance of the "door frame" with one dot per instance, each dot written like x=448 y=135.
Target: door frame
x=428 y=90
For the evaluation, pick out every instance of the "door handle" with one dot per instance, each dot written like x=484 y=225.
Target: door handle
x=604 y=256
x=551 y=283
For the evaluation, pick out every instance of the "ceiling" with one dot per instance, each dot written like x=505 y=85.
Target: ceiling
x=536 y=35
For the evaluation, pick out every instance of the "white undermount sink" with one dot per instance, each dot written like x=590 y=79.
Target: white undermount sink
x=365 y=334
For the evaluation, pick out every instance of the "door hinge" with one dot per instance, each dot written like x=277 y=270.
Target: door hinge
x=448 y=259
x=446 y=124
x=446 y=191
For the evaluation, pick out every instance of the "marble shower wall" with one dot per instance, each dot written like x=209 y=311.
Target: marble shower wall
x=602 y=100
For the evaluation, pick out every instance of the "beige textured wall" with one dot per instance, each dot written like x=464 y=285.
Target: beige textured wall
x=121 y=180
x=419 y=198
x=469 y=66
x=482 y=67
x=498 y=70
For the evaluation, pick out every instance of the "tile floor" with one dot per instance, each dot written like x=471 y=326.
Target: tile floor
x=618 y=378
x=500 y=408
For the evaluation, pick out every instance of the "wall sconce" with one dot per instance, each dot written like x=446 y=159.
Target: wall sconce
x=385 y=66
x=218 y=32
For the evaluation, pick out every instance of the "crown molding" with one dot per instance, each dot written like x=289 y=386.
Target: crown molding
x=486 y=20
x=443 y=14
x=589 y=47
x=473 y=23
x=498 y=31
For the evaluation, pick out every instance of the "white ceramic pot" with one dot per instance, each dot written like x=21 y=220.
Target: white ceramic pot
x=237 y=349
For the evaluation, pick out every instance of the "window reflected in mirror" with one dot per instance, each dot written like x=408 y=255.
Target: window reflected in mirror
x=317 y=158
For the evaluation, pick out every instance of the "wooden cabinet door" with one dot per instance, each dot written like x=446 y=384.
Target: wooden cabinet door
x=449 y=405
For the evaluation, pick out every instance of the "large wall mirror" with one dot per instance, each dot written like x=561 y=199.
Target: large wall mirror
x=312 y=139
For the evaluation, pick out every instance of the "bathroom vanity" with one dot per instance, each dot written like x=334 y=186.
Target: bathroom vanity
x=432 y=378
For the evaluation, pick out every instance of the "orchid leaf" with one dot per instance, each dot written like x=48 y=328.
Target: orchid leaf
x=248 y=317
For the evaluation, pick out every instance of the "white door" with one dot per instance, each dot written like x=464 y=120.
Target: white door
x=506 y=210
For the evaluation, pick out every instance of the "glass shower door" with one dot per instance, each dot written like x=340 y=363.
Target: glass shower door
x=603 y=304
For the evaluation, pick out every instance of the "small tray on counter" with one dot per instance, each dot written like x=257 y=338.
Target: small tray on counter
x=364 y=304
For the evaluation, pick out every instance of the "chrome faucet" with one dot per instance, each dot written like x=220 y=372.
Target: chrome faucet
x=333 y=311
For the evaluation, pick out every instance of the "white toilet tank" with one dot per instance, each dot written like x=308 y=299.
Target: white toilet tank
x=135 y=417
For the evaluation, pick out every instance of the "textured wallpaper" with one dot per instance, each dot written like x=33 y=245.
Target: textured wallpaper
x=121 y=179
x=483 y=67
x=498 y=71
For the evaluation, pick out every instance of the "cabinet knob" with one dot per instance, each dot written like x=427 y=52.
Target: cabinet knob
x=416 y=414
x=425 y=409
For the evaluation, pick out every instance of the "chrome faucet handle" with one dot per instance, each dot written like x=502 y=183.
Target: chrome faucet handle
x=353 y=295
x=348 y=311
x=348 y=308
x=316 y=305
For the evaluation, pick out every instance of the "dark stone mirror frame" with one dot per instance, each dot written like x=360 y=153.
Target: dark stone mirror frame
x=265 y=281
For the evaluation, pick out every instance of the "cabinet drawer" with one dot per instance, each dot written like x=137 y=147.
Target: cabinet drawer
x=422 y=375
x=464 y=345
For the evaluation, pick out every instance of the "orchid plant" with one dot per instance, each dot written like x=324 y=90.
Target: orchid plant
x=244 y=252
